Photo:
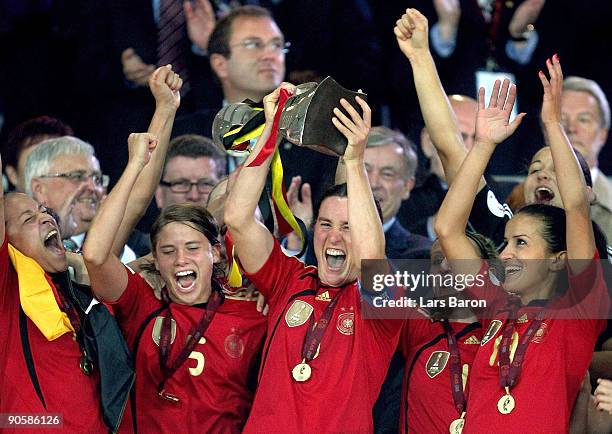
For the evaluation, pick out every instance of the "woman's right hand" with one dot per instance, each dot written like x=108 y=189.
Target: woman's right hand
x=270 y=101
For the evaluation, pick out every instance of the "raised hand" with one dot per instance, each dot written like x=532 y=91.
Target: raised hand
x=492 y=122
x=140 y=147
x=551 y=102
x=355 y=129
x=200 y=20
x=165 y=86
x=411 y=32
x=134 y=69
x=302 y=209
x=67 y=220
x=270 y=101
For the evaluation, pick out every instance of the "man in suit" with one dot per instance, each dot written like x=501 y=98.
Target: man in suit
x=586 y=120
x=391 y=163
x=247 y=55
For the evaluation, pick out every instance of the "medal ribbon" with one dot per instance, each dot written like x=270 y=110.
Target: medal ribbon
x=509 y=372
x=455 y=368
x=194 y=336
x=314 y=334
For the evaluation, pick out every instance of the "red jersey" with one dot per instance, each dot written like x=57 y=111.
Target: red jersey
x=64 y=388
x=213 y=383
x=427 y=404
x=348 y=370
x=555 y=362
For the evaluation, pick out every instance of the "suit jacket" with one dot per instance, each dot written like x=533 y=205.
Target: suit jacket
x=401 y=244
x=601 y=210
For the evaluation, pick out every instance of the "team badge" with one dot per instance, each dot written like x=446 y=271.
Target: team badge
x=436 y=363
x=491 y=331
x=346 y=323
x=540 y=334
x=298 y=313
x=157 y=326
x=234 y=346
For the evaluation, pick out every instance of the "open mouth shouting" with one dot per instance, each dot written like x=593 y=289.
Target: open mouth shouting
x=335 y=259
x=53 y=242
x=544 y=195
x=185 y=280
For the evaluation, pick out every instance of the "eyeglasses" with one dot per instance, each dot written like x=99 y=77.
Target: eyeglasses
x=184 y=185
x=80 y=176
x=257 y=45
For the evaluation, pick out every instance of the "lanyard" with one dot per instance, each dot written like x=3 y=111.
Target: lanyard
x=509 y=372
x=192 y=339
x=455 y=368
x=315 y=332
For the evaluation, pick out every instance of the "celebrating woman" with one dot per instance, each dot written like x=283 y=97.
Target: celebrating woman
x=532 y=359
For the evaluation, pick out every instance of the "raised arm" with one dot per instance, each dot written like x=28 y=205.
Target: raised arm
x=492 y=127
x=579 y=230
x=365 y=227
x=165 y=86
x=106 y=273
x=252 y=240
x=412 y=37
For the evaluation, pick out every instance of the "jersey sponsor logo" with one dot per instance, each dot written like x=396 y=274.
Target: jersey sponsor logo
x=491 y=331
x=298 y=313
x=234 y=345
x=472 y=340
x=522 y=319
x=157 y=326
x=436 y=363
x=540 y=334
x=324 y=296
x=346 y=323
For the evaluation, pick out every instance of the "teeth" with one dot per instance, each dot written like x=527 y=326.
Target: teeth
x=184 y=273
x=51 y=234
x=546 y=189
x=334 y=252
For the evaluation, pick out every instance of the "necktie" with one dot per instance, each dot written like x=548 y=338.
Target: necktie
x=172 y=41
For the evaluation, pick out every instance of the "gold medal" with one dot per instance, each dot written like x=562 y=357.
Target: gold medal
x=456 y=426
x=506 y=403
x=302 y=371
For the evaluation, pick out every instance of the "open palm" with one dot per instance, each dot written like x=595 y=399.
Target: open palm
x=493 y=122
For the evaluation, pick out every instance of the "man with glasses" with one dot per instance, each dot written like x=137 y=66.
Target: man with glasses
x=193 y=167
x=247 y=54
x=64 y=174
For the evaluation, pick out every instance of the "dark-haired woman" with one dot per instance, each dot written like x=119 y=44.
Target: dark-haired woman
x=194 y=349
x=544 y=323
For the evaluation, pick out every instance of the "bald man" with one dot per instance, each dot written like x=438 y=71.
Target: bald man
x=417 y=212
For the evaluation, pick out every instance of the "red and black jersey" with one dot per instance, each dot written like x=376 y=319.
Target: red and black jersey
x=52 y=367
x=348 y=370
x=427 y=404
x=555 y=363
x=213 y=383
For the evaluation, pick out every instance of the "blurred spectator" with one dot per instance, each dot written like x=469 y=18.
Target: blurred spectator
x=193 y=167
x=417 y=212
x=247 y=54
x=64 y=174
x=21 y=141
x=586 y=120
